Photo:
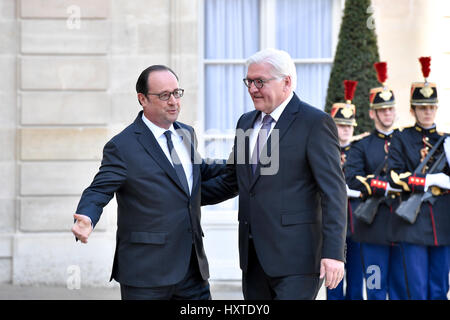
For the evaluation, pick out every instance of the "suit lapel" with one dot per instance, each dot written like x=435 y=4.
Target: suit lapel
x=286 y=119
x=149 y=143
x=282 y=125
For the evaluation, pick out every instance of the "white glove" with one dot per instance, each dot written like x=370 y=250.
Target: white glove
x=440 y=180
x=352 y=193
x=390 y=189
x=447 y=149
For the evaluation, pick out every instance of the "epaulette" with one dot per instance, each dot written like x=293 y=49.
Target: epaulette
x=400 y=129
x=360 y=136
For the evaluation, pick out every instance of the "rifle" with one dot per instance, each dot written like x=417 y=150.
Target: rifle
x=409 y=209
x=367 y=210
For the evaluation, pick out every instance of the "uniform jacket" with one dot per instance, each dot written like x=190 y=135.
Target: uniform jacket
x=352 y=203
x=432 y=226
x=364 y=158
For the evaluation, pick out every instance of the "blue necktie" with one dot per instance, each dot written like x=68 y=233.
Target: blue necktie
x=176 y=162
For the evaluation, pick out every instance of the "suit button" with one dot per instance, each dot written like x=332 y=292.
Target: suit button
x=245 y=222
x=252 y=194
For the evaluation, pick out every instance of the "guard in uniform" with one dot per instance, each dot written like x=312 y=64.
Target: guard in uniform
x=344 y=117
x=367 y=158
x=425 y=242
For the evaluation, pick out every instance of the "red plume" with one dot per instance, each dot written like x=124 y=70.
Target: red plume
x=381 y=68
x=425 y=62
x=349 y=87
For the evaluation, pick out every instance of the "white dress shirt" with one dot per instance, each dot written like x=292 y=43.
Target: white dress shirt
x=275 y=114
x=178 y=144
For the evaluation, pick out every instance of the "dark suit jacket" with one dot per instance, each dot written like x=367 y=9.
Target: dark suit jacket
x=298 y=215
x=157 y=221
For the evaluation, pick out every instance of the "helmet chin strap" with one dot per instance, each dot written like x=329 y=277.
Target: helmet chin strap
x=385 y=129
x=417 y=118
x=419 y=123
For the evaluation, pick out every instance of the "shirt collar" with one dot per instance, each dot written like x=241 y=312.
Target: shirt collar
x=346 y=147
x=156 y=130
x=419 y=128
x=384 y=135
x=276 y=113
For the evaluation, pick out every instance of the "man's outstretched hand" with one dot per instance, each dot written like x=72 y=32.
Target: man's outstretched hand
x=82 y=227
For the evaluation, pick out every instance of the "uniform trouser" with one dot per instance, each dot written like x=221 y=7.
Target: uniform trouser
x=378 y=261
x=353 y=276
x=427 y=273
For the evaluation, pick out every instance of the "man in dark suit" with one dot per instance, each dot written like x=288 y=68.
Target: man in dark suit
x=292 y=198
x=153 y=169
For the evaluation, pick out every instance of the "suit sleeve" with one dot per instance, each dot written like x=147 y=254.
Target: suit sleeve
x=398 y=174
x=324 y=159
x=209 y=168
x=357 y=176
x=223 y=186
x=107 y=181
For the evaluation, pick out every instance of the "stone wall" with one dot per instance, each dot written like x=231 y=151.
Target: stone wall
x=8 y=118
x=69 y=69
x=63 y=122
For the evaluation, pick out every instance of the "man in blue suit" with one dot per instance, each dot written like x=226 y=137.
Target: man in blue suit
x=155 y=172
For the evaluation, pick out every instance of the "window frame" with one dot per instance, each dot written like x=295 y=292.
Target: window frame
x=267 y=35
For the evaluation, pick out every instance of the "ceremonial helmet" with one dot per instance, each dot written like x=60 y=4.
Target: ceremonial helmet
x=344 y=113
x=424 y=93
x=381 y=97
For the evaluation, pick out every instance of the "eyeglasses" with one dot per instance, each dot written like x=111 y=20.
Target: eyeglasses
x=259 y=83
x=164 y=96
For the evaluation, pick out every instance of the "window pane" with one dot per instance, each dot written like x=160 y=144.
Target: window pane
x=226 y=96
x=231 y=28
x=312 y=83
x=231 y=32
x=304 y=28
